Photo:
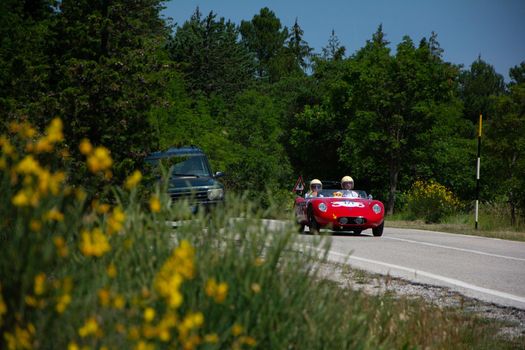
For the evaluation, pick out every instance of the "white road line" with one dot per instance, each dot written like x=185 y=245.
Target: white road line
x=437 y=277
x=454 y=234
x=454 y=248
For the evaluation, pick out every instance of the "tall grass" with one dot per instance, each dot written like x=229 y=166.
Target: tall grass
x=115 y=275
x=493 y=221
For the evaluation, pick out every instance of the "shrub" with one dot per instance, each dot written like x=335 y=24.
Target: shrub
x=430 y=201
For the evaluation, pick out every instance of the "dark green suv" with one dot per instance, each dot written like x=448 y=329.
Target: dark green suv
x=190 y=176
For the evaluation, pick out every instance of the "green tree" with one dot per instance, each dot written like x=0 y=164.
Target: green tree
x=256 y=129
x=299 y=47
x=506 y=143
x=333 y=49
x=477 y=86
x=108 y=71
x=265 y=37
x=393 y=102
x=24 y=64
x=211 y=57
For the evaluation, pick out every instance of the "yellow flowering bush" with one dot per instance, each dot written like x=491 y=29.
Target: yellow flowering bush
x=80 y=276
x=430 y=201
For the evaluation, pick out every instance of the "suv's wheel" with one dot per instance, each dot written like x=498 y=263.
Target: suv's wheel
x=378 y=231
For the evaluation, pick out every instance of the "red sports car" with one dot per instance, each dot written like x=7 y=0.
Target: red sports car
x=340 y=210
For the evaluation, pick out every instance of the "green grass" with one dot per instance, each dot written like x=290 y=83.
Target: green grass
x=492 y=223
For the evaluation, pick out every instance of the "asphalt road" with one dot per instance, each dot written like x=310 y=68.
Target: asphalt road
x=492 y=270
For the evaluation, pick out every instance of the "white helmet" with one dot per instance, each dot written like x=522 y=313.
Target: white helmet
x=316 y=182
x=346 y=179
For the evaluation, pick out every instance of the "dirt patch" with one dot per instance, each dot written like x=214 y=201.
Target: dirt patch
x=512 y=319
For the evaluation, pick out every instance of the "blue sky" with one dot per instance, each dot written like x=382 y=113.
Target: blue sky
x=494 y=29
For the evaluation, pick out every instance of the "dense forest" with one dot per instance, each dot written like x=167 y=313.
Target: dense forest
x=260 y=101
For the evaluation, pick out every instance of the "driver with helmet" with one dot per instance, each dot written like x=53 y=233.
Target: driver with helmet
x=315 y=188
x=347 y=184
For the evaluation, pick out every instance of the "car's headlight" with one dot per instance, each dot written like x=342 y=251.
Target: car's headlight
x=376 y=208
x=322 y=207
x=215 y=193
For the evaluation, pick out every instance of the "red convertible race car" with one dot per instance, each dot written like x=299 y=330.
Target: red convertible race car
x=340 y=210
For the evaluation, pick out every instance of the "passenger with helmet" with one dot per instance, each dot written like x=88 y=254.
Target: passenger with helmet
x=315 y=188
x=347 y=184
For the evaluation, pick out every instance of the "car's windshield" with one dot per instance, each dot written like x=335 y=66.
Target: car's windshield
x=189 y=166
x=331 y=192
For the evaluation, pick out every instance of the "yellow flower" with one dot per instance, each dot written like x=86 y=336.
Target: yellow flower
x=119 y=302
x=54 y=214
x=21 y=199
x=154 y=204
x=28 y=165
x=89 y=327
x=116 y=220
x=21 y=339
x=94 y=243
x=85 y=147
x=256 y=288
x=40 y=281
x=149 y=314
x=237 y=329
x=248 y=341
x=133 y=180
x=63 y=301
x=72 y=346
x=54 y=131
x=24 y=129
x=55 y=181
x=60 y=245
x=258 y=261
x=7 y=147
x=3 y=307
x=103 y=208
x=111 y=271
x=99 y=160
x=212 y=338
x=104 y=297
x=43 y=145
x=193 y=320
x=218 y=291
x=142 y=345
x=80 y=194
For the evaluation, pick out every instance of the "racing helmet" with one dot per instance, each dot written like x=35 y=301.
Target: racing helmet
x=316 y=183
x=346 y=179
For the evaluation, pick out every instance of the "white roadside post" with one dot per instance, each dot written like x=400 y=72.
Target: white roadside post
x=478 y=171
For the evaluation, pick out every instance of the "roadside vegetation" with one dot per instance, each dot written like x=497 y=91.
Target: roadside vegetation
x=85 y=271
x=431 y=206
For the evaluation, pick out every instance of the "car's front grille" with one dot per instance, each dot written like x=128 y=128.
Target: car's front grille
x=352 y=220
x=196 y=196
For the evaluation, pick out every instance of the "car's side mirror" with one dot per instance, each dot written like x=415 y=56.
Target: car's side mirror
x=370 y=196
x=218 y=174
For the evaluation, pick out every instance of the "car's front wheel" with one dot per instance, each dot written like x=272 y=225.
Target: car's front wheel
x=378 y=231
x=312 y=223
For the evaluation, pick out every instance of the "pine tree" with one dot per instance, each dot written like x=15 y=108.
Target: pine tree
x=211 y=57
x=333 y=50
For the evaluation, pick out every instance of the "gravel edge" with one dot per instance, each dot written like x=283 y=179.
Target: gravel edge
x=511 y=319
